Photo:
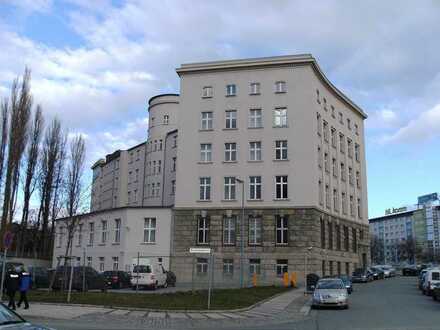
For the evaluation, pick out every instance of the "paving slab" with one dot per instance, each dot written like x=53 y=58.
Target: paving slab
x=197 y=316
x=60 y=311
x=138 y=313
x=120 y=312
x=234 y=315
x=178 y=315
x=215 y=316
x=159 y=315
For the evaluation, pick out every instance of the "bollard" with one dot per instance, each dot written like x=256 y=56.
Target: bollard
x=286 y=279
x=293 y=279
x=254 y=280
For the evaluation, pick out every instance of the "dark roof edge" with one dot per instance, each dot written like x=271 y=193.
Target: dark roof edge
x=138 y=145
x=393 y=215
x=159 y=95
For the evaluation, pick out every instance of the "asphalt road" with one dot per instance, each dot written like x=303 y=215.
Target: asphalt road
x=391 y=304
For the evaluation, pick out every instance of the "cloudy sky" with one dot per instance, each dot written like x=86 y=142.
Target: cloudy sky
x=96 y=63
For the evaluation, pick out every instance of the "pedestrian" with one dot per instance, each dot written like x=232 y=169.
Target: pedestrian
x=25 y=285
x=11 y=285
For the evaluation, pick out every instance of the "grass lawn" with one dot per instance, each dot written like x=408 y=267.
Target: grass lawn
x=221 y=298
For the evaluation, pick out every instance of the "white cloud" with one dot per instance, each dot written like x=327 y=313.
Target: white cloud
x=420 y=129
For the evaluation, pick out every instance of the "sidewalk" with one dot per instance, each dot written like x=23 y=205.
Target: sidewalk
x=265 y=310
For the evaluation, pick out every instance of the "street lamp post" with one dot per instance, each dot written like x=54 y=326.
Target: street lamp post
x=241 y=234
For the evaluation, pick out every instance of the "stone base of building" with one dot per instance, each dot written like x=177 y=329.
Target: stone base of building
x=313 y=246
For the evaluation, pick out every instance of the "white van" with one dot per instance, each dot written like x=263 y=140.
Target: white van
x=431 y=278
x=148 y=273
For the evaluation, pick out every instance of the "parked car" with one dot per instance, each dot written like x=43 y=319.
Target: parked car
x=347 y=282
x=421 y=278
x=171 y=279
x=148 y=273
x=117 y=279
x=388 y=270
x=431 y=278
x=410 y=270
x=40 y=277
x=93 y=279
x=330 y=292
x=436 y=292
x=361 y=275
x=12 y=321
x=378 y=273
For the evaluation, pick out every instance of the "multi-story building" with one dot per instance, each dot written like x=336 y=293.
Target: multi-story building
x=264 y=164
x=417 y=225
x=277 y=131
x=132 y=195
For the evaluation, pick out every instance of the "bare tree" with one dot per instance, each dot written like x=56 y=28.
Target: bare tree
x=20 y=108
x=4 y=135
x=33 y=150
x=377 y=250
x=51 y=150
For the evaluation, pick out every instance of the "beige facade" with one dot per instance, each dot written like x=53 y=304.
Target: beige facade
x=269 y=122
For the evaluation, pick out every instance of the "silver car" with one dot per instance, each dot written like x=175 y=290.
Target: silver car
x=330 y=292
x=10 y=320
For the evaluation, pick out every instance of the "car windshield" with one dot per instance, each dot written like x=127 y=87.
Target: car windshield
x=358 y=272
x=435 y=276
x=330 y=284
x=344 y=278
x=8 y=317
x=142 y=269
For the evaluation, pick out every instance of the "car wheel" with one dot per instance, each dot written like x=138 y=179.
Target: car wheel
x=346 y=306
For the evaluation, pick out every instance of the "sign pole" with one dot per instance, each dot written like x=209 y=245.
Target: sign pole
x=211 y=273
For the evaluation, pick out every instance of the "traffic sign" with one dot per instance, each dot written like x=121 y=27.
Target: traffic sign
x=8 y=237
x=199 y=250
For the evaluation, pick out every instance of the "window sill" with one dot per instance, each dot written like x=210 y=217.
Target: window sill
x=230 y=95
x=259 y=127
x=255 y=161
x=228 y=200
x=204 y=201
x=230 y=129
x=255 y=200
x=89 y=245
x=116 y=243
x=281 y=244
x=281 y=199
x=280 y=126
x=229 y=161
x=101 y=244
x=206 y=130
x=147 y=243
x=280 y=160
x=281 y=92
x=206 y=97
x=254 y=93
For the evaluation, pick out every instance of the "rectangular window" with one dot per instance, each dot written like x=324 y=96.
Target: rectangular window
x=338 y=237
x=323 y=267
x=150 y=230
x=254 y=266
x=173 y=187
x=255 y=230
x=80 y=229
x=101 y=264
x=342 y=143
x=206 y=152
x=349 y=124
x=231 y=90
x=228 y=267
x=255 y=151
x=357 y=152
x=335 y=200
x=333 y=111
x=229 y=230
x=354 y=239
x=333 y=137
x=281 y=267
x=280 y=117
x=327 y=196
x=356 y=129
x=254 y=88
x=319 y=124
x=351 y=205
x=342 y=171
x=347 y=268
x=326 y=162
x=350 y=176
x=206 y=120
x=173 y=166
x=330 y=235
x=319 y=157
x=207 y=92
x=320 y=193
x=334 y=167
x=255 y=118
x=203 y=231
x=281 y=150
x=103 y=231
x=205 y=189
x=341 y=118
x=350 y=148
x=231 y=119
x=358 y=179
x=325 y=129
x=322 y=233
x=280 y=87
x=344 y=202
x=166 y=120
x=202 y=266
x=255 y=187
x=281 y=187
x=117 y=230
x=115 y=263
x=282 y=230
x=359 y=208
x=346 y=239
x=229 y=188
x=89 y=261
x=91 y=233
x=230 y=152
